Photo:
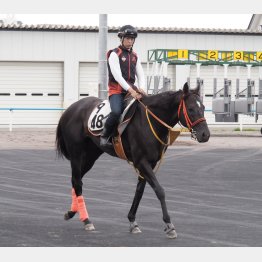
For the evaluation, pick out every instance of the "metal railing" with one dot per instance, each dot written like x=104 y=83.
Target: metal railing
x=12 y=109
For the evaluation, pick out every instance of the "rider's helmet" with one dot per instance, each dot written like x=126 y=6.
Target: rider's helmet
x=127 y=30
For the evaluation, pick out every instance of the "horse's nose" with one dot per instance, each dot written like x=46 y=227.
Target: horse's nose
x=205 y=136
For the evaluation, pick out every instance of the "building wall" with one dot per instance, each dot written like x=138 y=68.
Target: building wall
x=76 y=49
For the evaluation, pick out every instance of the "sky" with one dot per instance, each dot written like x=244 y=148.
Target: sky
x=223 y=21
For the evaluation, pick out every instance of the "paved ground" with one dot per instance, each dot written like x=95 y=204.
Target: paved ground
x=213 y=193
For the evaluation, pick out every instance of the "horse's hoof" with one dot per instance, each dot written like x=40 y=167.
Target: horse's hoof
x=69 y=215
x=170 y=231
x=172 y=234
x=134 y=229
x=89 y=227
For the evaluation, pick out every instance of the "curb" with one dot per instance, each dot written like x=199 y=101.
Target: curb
x=227 y=134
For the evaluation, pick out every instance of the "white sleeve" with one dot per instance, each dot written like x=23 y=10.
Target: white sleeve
x=113 y=61
x=140 y=75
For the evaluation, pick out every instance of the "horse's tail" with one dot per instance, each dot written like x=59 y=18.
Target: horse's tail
x=60 y=143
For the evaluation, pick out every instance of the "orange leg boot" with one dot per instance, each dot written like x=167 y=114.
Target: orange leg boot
x=84 y=217
x=74 y=206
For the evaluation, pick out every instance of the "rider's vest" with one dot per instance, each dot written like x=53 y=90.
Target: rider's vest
x=127 y=61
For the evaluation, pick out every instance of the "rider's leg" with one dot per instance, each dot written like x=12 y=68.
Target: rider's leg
x=117 y=107
x=110 y=124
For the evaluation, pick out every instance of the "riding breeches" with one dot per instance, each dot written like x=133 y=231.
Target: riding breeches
x=117 y=107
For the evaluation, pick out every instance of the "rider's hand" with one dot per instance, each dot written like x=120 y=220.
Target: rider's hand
x=134 y=94
x=142 y=91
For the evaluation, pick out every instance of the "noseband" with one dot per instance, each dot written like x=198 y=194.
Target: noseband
x=189 y=123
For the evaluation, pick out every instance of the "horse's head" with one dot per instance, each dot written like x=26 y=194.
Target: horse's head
x=191 y=114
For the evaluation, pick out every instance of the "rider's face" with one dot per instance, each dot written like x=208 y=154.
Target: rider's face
x=128 y=42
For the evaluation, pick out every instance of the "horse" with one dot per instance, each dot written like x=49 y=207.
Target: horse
x=144 y=141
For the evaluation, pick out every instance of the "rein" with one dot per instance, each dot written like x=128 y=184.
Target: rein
x=160 y=121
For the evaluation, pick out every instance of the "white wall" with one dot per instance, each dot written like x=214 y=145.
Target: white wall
x=73 y=48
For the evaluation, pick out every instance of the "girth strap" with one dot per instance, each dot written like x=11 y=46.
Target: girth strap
x=118 y=146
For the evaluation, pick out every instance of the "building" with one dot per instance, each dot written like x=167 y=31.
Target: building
x=45 y=68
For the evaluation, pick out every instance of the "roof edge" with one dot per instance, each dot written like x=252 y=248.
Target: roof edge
x=74 y=28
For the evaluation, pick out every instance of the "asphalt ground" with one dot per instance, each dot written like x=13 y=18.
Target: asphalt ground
x=213 y=194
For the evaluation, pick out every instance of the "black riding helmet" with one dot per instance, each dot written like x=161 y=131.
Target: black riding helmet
x=127 y=30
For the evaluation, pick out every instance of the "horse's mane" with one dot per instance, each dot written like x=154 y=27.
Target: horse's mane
x=161 y=98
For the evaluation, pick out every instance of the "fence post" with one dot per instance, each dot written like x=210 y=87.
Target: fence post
x=11 y=119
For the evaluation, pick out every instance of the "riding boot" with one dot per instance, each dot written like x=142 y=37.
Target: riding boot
x=104 y=138
x=110 y=125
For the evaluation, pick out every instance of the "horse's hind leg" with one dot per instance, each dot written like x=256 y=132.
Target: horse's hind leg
x=74 y=207
x=80 y=166
x=132 y=213
x=78 y=202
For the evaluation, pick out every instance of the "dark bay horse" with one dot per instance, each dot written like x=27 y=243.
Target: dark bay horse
x=141 y=145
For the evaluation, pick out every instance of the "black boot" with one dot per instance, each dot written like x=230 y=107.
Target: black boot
x=104 y=138
x=110 y=126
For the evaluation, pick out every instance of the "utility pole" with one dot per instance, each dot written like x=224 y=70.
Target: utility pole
x=102 y=62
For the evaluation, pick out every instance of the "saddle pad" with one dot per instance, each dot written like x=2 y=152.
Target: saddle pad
x=98 y=116
x=101 y=112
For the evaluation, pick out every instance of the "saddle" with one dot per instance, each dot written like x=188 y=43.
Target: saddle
x=98 y=118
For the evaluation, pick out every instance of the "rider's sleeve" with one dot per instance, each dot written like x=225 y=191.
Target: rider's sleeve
x=113 y=61
x=140 y=75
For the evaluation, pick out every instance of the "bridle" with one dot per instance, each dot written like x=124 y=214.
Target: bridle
x=189 y=123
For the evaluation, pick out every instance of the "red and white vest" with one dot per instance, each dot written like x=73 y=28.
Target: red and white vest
x=127 y=61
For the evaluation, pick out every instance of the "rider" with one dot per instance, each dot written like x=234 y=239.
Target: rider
x=123 y=67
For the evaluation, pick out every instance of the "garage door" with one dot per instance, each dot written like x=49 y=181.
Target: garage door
x=31 y=85
x=88 y=79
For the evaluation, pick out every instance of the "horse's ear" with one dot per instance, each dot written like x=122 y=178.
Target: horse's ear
x=197 y=89
x=185 y=88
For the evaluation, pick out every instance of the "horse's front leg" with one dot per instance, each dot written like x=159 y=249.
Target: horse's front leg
x=132 y=213
x=147 y=171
